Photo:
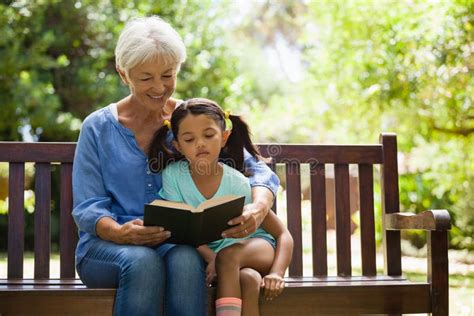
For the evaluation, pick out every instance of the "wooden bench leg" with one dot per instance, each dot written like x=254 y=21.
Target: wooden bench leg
x=438 y=271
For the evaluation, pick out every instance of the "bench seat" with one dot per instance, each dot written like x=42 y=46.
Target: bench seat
x=53 y=297
x=335 y=295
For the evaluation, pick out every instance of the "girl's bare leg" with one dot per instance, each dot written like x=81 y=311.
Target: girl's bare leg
x=250 y=281
x=254 y=253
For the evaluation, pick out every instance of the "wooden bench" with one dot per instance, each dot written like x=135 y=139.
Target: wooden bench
x=369 y=292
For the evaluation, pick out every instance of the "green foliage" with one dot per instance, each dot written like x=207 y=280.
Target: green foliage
x=405 y=67
x=373 y=66
x=58 y=62
x=52 y=57
x=412 y=61
x=368 y=66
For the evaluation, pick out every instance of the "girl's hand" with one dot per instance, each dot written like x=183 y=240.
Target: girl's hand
x=211 y=272
x=134 y=233
x=273 y=285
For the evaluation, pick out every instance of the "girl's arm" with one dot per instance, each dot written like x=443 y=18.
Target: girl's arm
x=284 y=243
x=273 y=282
x=206 y=253
x=210 y=257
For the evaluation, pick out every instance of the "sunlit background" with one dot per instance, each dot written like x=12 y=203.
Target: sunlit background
x=298 y=71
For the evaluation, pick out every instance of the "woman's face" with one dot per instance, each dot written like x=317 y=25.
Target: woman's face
x=151 y=83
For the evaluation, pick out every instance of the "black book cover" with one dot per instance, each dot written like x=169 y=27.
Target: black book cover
x=197 y=228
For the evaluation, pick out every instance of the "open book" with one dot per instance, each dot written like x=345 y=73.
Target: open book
x=194 y=226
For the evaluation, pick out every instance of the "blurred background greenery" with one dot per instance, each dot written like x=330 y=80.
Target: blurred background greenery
x=299 y=71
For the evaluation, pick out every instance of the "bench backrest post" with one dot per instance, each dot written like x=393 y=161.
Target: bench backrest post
x=272 y=166
x=42 y=219
x=367 y=222
x=318 y=219
x=390 y=203
x=293 y=198
x=68 y=236
x=343 y=220
x=16 y=219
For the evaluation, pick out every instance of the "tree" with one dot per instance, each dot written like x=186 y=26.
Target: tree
x=58 y=62
x=406 y=67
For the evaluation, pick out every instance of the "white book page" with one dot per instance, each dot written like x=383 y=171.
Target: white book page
x=171 y=204
x=215 y=201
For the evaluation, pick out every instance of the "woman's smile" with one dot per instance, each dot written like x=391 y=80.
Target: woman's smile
x=157 y=97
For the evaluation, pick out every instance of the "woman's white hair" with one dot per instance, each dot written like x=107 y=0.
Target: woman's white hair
x=145 y=39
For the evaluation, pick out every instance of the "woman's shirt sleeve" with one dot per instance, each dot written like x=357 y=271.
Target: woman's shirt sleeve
x=91 y=202
x=261 y=174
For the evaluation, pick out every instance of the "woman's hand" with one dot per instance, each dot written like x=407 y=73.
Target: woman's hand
x=273 y=285
x=251 y=218
x=252 y=215
x=134 y=233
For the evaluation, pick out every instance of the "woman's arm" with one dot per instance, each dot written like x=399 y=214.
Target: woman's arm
x=92 y=204
x=264 y=183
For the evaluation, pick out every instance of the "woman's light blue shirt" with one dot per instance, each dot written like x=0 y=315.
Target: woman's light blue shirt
x=111 y=176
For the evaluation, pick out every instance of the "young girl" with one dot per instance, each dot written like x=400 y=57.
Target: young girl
x=193 y=173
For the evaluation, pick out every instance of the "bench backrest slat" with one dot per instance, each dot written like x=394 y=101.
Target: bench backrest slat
x=293 y=199
x=37 y=152
x=343 y=220
x=68 y=232
x=318 y=219
x=333 y=154
x=16 y=219
x=390 y=200
x=367 y=224
x=42 y=219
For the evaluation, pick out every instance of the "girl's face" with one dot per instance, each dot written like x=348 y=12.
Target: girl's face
x=151 y=83
x=200 y=139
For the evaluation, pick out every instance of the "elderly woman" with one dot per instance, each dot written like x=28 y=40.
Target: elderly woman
x=112 y=181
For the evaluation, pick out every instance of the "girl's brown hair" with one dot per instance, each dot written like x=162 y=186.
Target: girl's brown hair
x=160 y=153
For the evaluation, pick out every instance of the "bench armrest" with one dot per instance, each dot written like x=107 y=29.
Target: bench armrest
x=435 y=220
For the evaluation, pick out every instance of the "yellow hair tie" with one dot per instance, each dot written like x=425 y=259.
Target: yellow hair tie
x=167 y=123
x=228 y=122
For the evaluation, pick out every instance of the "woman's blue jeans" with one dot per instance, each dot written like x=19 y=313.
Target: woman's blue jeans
x=167 y=278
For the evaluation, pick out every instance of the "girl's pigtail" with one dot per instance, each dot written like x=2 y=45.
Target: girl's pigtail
x=159 y=154
x=239 y=139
